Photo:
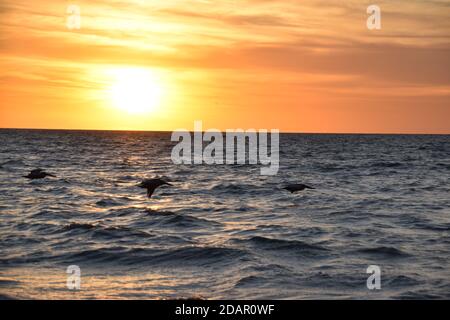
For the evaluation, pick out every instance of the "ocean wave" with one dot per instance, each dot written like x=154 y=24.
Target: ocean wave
x=186 y=221
x=420 y=295
x=108 y=202
x=6 y=297
x=200 y=255
x=177 y=257
x=108 y=232
x=12 y=163
x=250 y=281
x=233 y=188
x=290 y=246
x=9 y=282
x=387 y=164
x=432 y=226
x=384 y=251
x=29 y=257
x=180 y=220
x=76 y=225
x=401 y=281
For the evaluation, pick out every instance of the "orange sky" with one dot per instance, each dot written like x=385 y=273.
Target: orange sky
x=298 y=66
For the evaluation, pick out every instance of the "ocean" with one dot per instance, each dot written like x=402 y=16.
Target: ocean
x=224 y=231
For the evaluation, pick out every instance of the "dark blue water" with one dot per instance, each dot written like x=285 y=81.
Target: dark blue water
x=224 y=231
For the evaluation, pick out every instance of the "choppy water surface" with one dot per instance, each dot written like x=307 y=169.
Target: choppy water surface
x=224 y=231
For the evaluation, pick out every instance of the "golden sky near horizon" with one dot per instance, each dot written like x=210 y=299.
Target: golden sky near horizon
x=298 y=66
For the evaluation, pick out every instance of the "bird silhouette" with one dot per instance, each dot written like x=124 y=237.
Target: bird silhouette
x=297 y=187
x=152 y=184
x=38 y=174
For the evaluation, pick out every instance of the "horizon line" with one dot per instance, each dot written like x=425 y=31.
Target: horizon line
x=281 y=132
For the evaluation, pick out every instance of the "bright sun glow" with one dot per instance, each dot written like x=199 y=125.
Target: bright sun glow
x=136 y=90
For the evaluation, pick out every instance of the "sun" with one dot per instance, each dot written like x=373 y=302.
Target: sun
x=136 y=90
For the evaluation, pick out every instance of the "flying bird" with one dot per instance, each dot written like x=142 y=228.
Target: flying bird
x=297 y=187
x=152 y=184
x=38 y=174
